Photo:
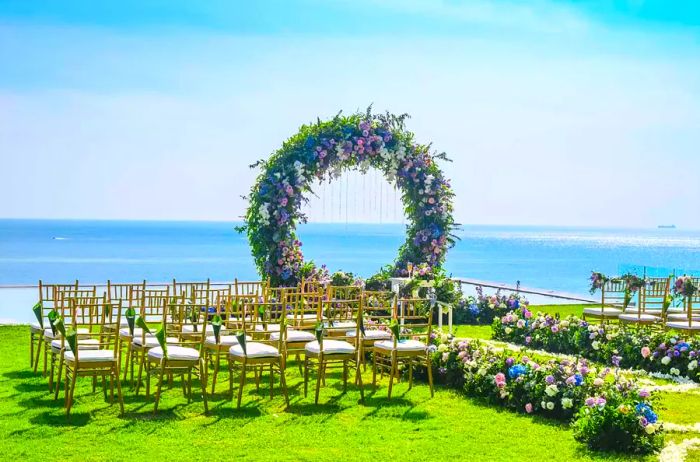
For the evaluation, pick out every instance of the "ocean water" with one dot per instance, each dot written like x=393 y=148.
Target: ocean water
x=544 y=257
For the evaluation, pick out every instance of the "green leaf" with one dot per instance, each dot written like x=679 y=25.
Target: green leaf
x=240 y=336
x=38 y=312
x=140 y=322
x=53 y=316
x=318 y=331
x=72 y=339
x=161 y=336
x=216 y=323
x=395 y=329
x=130 y=319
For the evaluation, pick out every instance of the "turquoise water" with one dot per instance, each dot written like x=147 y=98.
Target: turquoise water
x=546 y=257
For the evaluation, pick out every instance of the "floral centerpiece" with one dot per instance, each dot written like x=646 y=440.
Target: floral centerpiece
x=684 y=286
x=598 y=280
x=633 y=284
x=322 y=151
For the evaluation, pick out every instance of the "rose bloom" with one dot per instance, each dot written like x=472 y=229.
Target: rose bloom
x=528 y=408
x=646 y=352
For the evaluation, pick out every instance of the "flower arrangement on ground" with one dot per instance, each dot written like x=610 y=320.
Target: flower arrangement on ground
x=608 y=411
x=636 y=348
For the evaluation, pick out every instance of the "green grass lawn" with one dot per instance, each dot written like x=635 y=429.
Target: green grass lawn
x=411 y=426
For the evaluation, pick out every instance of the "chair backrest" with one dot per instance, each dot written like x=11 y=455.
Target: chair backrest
x=261 y=319
x=341 y=319
x=176 y=316
x=93 y=315
x=123 y=291
x=149 y=303
x=378 y=308
x=250 y=289
x=415 y=316
x=653 y=294
x=50 y=298
x=187 y=289
x=344 y=292
x=303 y=308
x=311 y=286
x=612 y=294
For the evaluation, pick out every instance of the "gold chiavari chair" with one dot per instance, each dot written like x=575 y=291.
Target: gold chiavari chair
x=63 y=297
x=612 y=296
x=84 y=325
x=124 y=293
x=377 y=313
x=414 y=320
x=148 y=309
x=691 y=323
x=302 y=311
x=42 y=310
x=102 y=361
x=260 y=321
x=651 y=298
x=311 y=286
x=333 y=347
x=175 y=354
x=217 y=344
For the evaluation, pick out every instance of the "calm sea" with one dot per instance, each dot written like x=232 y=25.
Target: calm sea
x=545 y=257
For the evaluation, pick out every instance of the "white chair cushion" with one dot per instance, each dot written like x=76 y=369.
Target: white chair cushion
x=682 y=316
x=255 y=350
x=303 y=317
x=83 y=344
x=35 y=327
x=175 y=353
x=91 y=356
x=633 y=317
x=683 y=325
x=340 y=324
x=49 y=334
x=330 y=347
x=151 y=341
x=609 y=312
x=124 y=333
x=402 y=345
x=374 y=334
x=226 y=340
x=189 y=329
x=270 y=328
x=295 y=336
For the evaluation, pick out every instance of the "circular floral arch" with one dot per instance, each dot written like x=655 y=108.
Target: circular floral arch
x=323 y=151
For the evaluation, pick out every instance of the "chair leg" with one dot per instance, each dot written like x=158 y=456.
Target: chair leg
x=358 y=375
x=74 y=379
x=46 y=347
x=241 y=385
x=230 y=379
x=393 y=372
x=120 y=396
x=38 y=353
x=138 y=378
x=216 y=372
x=345 y=376
x=410 y=375
x=160 y=386
x=272 y=382
x=374 y=369
x=203 y=365
x=430 y=375
x=283 y=384
x=306 y=376
x=51 y=370
x=321 y=371
x=127 y=361
x=31 y=349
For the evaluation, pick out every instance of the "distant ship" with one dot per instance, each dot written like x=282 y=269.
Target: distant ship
x=667 y=226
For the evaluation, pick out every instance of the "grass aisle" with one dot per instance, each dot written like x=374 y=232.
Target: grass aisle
x=410 y=427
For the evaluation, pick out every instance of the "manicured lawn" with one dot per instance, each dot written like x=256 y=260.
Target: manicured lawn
x=412 y=426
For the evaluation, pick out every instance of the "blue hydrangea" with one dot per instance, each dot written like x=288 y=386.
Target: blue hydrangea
x=516 y=371
x=646 y=411
x=579 y=379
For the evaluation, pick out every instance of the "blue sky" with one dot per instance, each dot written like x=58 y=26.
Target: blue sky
x=568 y=113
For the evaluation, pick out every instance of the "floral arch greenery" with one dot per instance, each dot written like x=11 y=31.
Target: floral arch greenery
x=323 y=151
